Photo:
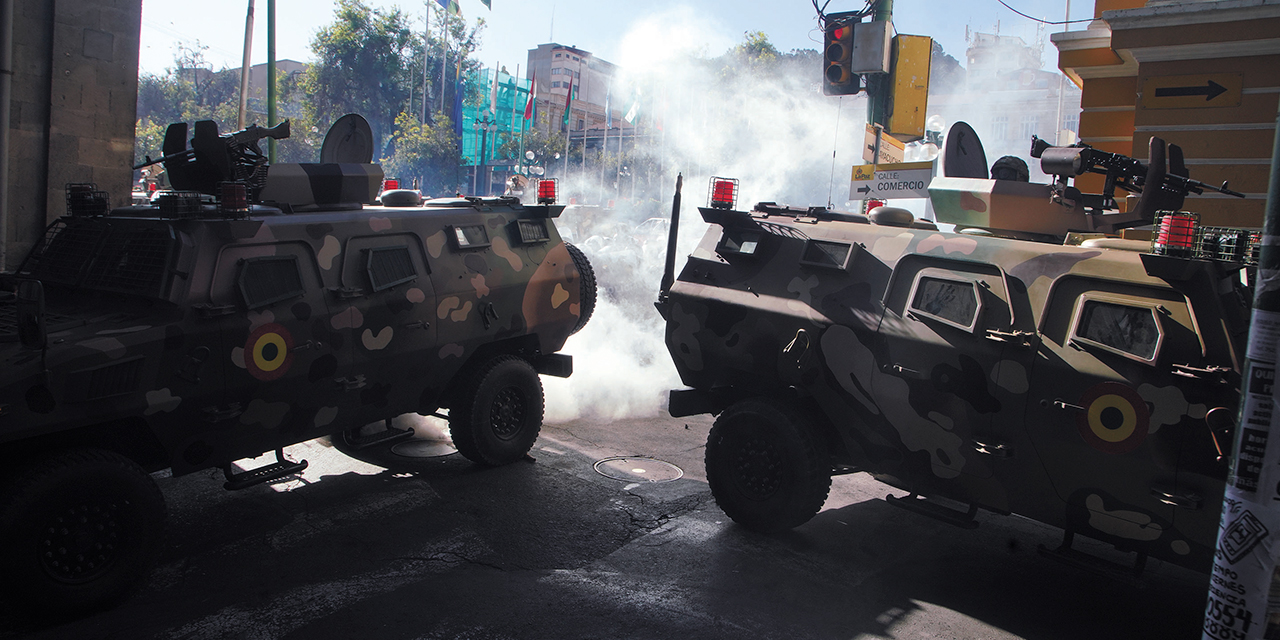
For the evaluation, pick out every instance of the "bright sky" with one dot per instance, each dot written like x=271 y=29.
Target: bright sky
x=599 y=26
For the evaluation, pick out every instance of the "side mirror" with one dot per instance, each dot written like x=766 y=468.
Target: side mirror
x=30 y=310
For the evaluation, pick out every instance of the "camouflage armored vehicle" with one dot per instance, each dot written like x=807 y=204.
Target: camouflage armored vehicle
x=1033 y=365
x=204 y=330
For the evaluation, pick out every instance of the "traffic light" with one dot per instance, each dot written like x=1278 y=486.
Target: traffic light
x=838 y=78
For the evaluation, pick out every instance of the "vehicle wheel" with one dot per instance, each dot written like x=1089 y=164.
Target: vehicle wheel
x=587 y=290
x=766 y=465
x=500 y=413
x=79 y=531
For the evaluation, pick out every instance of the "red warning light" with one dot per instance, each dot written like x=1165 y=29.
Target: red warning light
x=547 y=191
x=724 y=193
x=871 y=204
x=1176 y=235
x=390 y=183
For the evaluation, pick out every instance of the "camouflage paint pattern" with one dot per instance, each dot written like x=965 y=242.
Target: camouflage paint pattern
x=206 y=360
x=963 y=366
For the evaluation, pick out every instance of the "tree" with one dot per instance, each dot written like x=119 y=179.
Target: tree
x=190 y=90
x=426 y=151
x=363 y=65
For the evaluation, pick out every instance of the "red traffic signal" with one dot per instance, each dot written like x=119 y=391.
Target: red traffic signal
x=837 y=60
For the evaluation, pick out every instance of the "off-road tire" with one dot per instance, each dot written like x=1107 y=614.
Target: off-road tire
x=587 y=286
x=500 y=413
x=767 y=466
x=79 y=531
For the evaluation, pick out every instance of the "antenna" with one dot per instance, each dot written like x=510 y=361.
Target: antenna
x=835 y=144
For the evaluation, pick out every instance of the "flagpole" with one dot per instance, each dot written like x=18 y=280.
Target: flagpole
x=604 y=150
x=444 y=53
x=426 y=48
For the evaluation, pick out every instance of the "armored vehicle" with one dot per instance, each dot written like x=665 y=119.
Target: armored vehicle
x=257 y=308
x=1027 y=363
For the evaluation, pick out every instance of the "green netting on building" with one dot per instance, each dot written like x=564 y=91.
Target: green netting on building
x=506 y=117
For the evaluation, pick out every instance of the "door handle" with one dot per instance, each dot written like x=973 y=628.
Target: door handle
x=1183 y=500
x=1061 y=405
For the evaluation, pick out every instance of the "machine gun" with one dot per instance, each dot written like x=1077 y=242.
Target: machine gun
x=212 y=158
x=1161 y=188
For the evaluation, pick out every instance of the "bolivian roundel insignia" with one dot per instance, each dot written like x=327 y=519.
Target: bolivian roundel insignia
x=1115 y=418
x=268 y=352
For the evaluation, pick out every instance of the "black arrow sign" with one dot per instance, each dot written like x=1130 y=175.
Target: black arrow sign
x=1209 y=91
x=864 y=189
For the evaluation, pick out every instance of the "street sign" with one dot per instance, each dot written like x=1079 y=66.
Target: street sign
x=891 y=149
x=891 y=181
x=1193 y=92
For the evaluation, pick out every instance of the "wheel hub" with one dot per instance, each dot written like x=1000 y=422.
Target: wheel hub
x=759 y=468
x=508 y=413
x=81 y=543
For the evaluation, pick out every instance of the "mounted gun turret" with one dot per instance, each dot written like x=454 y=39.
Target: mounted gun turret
x=1050 y=211
x=212 y=159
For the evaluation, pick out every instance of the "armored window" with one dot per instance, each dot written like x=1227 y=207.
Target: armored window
x=1132 y=331
x=389 y=266
x=744 y=243
x=131 y=260
x=268 y=280
x=953 y=302
x=532 y=231
x=470 y=236
x=820 y=253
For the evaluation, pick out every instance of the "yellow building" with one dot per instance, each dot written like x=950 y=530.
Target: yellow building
x=1204 y=75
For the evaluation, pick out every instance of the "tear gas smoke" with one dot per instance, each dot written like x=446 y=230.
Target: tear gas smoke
x=763 y=122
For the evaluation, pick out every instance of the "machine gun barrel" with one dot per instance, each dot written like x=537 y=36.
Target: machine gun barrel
x=247 y=136
x=1125 y=172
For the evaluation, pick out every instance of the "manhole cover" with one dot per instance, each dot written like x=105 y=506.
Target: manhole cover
x=638 y=469
x=423 y=449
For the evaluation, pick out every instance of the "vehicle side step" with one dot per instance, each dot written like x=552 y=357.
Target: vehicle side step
x=352 y=437
x=921 y=505
x=281 y=468
x=1091 y=563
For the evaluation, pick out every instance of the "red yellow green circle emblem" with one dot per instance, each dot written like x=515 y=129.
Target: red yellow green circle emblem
x=1115 y=418
x=268 y=352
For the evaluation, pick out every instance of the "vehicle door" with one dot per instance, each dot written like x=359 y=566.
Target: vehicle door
x=1105 y=409
x=282 y=386
x=385 y=305
x=955 y=362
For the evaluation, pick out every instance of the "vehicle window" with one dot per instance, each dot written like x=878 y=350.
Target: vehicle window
x=954 y=302
x=532 y=231
x=1130 y=330
x=820 y=253
x=470 y=236
x=267 y=280
x=389 y=266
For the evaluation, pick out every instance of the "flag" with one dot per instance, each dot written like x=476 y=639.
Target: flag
x=486 y=3
x=608 y=115
x=633 y=109
x=451 y=6
x=568 y=100
x=533 y=96
x=493 y=93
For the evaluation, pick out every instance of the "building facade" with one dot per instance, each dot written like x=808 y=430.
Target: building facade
x=1203 y=75
x=1008 y=97
x=71 y=99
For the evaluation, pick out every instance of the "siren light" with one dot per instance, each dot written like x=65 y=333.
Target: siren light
x=547 y=191
x=390 y=183
x=724 y=193
x=1176 y=234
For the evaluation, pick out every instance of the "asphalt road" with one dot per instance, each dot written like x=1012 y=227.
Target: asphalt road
x=551 y=548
